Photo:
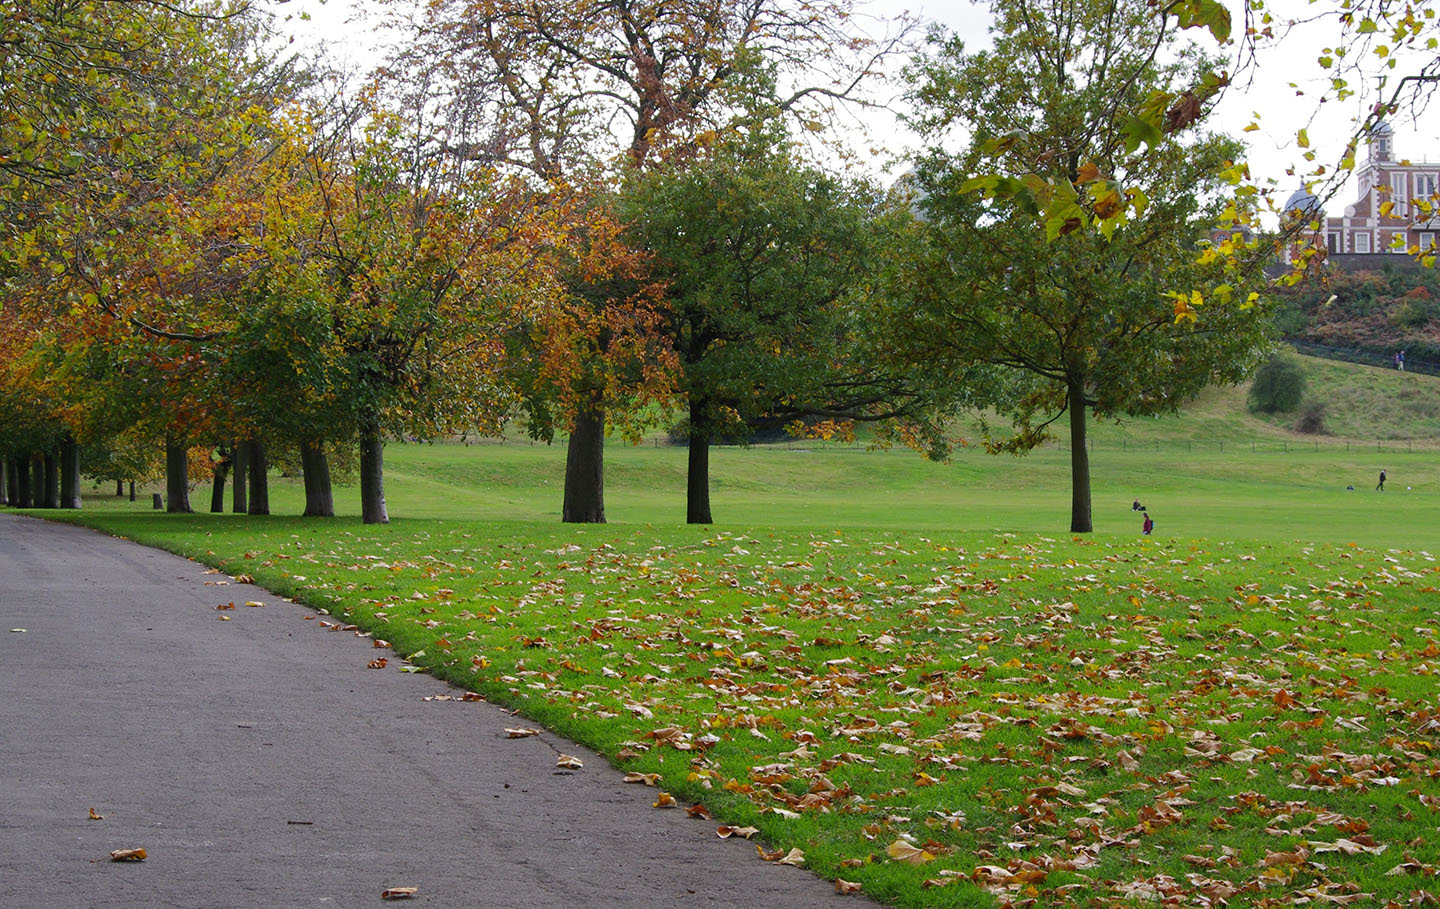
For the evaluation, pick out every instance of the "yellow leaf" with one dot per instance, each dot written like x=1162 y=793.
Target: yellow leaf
x=902 y=851
x=128 y=855
x=664 y=800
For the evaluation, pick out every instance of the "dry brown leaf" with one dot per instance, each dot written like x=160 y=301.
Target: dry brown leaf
x=769 y=855
x=902 y=851
x=398 y=893
x=1127 y=761
x=127 y=855
x=725 y=831
x=229 y=605
x=522 y=733
x=223 y=618
x=377 y=663
x=96 y=817
x=664 y=800
x=699 y=811
x=649 y=779
x=569 y=762
x=794 y=857
x=845 y=887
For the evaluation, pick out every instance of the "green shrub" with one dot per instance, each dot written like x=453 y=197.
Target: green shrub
x=1312 y=418
x=1279 y=385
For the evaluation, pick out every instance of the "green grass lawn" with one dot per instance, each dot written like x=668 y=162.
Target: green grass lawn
x=910 y=673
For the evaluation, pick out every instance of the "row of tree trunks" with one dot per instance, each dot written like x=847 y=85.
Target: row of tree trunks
x=50 y=480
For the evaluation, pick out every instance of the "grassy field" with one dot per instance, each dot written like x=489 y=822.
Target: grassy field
x=912 y=675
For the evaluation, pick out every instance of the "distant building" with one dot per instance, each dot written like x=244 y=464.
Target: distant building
x=1362 y=229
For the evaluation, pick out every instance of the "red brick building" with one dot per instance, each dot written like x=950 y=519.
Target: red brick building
x=1366 y=225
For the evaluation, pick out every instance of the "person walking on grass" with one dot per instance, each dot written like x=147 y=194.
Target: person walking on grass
x=1380 y=487
x=1148 y=526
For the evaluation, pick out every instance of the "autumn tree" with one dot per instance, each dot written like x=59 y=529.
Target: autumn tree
x=392 y=271
x=1065 y=243
x=569 y=90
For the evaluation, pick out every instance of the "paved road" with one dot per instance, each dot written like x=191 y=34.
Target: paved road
x=260 y=763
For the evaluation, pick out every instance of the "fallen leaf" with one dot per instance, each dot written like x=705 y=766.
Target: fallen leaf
x=649 y=779
x=795 y=857
x=17 y=630
x=569 y=762
x=664 y=800
x=128 y=855
x=223 y=618
x=96 y=817
x=769 y=855
x=845 y=887
x=399 y=893
x=522 y=733
x=377 y=663
x=699 y=811
x=254 y=603
x=229 y=605
x=725 y=831
x=902 y=851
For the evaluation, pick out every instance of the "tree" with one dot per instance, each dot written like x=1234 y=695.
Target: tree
x=566 y=89
x=1053 y=246
x=763 y=260
x=1279 y=385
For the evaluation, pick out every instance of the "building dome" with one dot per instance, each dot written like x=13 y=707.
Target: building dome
x=1305 y=202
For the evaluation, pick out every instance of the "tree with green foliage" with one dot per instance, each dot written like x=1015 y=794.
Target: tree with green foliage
x=1052 y=245
x=1279 y=385
x=762 y=259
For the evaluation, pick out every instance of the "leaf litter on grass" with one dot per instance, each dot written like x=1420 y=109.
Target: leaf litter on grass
x=1054 y=721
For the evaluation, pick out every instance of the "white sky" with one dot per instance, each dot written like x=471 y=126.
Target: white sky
x=1270 y=92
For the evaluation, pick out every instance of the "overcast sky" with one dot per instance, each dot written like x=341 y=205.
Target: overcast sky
x=1283 y=107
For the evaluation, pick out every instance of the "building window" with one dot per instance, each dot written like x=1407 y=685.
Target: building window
x=1362 y=242
x=1399 y=196
x=1332 y=241
x=1396 y=243
x=1427 y=240
x=1424 y=186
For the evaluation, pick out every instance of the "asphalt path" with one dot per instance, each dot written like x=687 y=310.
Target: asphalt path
x=259 y=762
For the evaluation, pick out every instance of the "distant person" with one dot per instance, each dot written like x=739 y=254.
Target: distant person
x=1148 y=526
x=1136 y=506
x=1381 y=485
x=1396 y=360
x=1402 y=361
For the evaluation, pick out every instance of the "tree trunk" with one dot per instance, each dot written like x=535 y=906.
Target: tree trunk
x=119 y=489
x=132 y=490
x=217 y=490
x=1079 y=463
x=585 y=469
x=177 y=477
x=7 y=489
x=259 y=469
x=69 y=474
x=239 y=483
x=24 y=490
x=51 y=465
x=697 y=480
x=319 y=498
x=372 y=477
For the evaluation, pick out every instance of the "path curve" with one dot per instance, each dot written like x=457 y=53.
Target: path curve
x=260 y=763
